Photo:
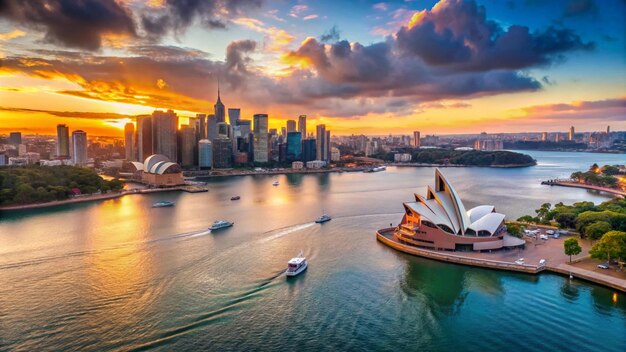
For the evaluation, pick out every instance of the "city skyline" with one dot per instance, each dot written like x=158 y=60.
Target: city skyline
x=406 y=66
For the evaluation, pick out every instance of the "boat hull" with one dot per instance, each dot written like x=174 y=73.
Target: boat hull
x=297 y=272
x=221 y=227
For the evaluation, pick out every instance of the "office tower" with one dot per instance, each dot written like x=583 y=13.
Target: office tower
x=205 y=154
x=63 y=142
x=245 y=128
x=261 y=138
x=187 y=146
x=302 y=125
x=201 y=133
x=223 y=129
x=320 y=150
x=129 y=141
x=211 y=127
x=283 y=131
x=291 y=126
x=308 y=150
x=327 y=148
x=557 y=137
x=220 y=112
x=222 y=152
x=282 y=153
x=294 y=146
x=15 y=138
x=544 y=136
x=79 y=148
x=608 y=130
x=572 y=132
x=233 y=116
x=145 y=143
x=416 y=139
x=164 y=126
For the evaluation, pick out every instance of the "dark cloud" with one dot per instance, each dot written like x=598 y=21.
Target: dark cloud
x=72 y=114
x=332 y=35
x=458 y=35
x=579 y=7
x=79 y=24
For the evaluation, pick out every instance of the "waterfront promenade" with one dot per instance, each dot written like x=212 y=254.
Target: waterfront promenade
x=550 y=250
x=567 y=183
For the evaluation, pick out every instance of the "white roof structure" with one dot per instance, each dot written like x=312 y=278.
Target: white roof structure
x=159 y=164
x=153 y=159
x=444 y=208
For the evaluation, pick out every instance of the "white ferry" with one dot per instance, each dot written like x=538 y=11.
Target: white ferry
x=296 y=265
x=322 y=219
x=162 y=204
x=276 y=183
x=221 y=224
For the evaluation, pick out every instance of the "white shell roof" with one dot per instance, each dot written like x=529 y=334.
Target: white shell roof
x=489 y=222
x=138 y=165
x=153 y=159
x=479 y=211
x=161 y=167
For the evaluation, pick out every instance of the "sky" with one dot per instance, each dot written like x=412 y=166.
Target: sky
x=360 y=67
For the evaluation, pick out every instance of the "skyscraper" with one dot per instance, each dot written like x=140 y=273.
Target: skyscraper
x=294 y=146
x=187 y=144
x=79 y=148
x=145 y=144
x=320 y=147
x=220 y=112
x=201 y=133
x=205 y=154
x=416 y=139
x=261 y=140
x=572 y=132
x=211 y=126
x=291 y=126
x=308 y=150
x=222 y=152
x=129 y=141
x=244 y=127
x=223 y=129
x=544 y=136
x=63 y=142
x=327 y=147
x=233 y=116
x=15 y=138
x=165 y=125
x=302 y=125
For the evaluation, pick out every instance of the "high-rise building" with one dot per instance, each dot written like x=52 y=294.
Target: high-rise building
x=320 y=148
x=223 y=129
x=211 y=127
x=291 y=126
x=302 y=125
x=145 y=144
x=201 y=132
x=416 y=139
x=261 y=138
x=79 y=148
x=233 y=116
x=187 y=146
x=608 y=130
x=205 y=154
x=63 y=142
x=327 y=148
x=294 y=146
x=572 y=133
x=129 y=141
x=222 y=152
x=308 y=150
x=15 y=138
x=544 y=136
x=220 y=112
x=245 y=126
x=557 y=137
x=164 y=126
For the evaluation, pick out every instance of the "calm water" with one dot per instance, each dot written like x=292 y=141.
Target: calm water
x=120 y=275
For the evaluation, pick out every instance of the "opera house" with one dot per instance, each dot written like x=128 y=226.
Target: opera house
x=157 y=170
x=440 y=221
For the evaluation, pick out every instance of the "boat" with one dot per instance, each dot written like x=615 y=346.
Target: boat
x=376 y=169
x=162 y=204
x=322 y=219
x=276 y=183
x=235 y=198
x=221 y=224
x=296 y=265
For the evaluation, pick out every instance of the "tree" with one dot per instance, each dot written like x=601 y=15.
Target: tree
x=527 y=218
x=597 y=229
x=571 y=247
x=610 y=170
x=514 y=230
x=611 y=245
x=566 y=220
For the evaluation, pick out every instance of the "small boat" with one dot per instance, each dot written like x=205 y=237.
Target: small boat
x=322 y=219
x=220 y=224
x=276 y=183
x=162 y=204
x=296 y=265
x=376 y=169
x=235 y=198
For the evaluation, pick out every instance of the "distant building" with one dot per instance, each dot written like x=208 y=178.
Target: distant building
x=222 y=152
x=188 y=147
x=335 y=154
x=18 y=161
x=544 y=136
x=245 y=127
x=402 y=157
x=297 y=165
x=241 y=158
x=205 y=154
x=79 y=148
x=308 y=150
x=211 y=127
x=294 y=146
x=15 y=138
x=165 y=126
x=261 y=138
x=320 y=147
x=572 y=133
x=416 y=139
x=291 y=126
x=145 y=144
x=220 y=113
x=488 y=144
x=201 y=133
x=302 y=125
x=234 y=114
x=315 y=164
x=63 y=142
x=129 y=141
x=223 y=130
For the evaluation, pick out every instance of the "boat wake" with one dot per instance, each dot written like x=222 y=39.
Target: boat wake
x=278 y=233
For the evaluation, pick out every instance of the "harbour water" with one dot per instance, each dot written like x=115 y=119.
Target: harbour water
x=121 y=275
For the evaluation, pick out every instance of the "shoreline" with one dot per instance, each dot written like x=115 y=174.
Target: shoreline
x=385 y=236
x=616 y=192
x=505 y=166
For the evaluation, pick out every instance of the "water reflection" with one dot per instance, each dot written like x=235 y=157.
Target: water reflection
x=570 y=291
